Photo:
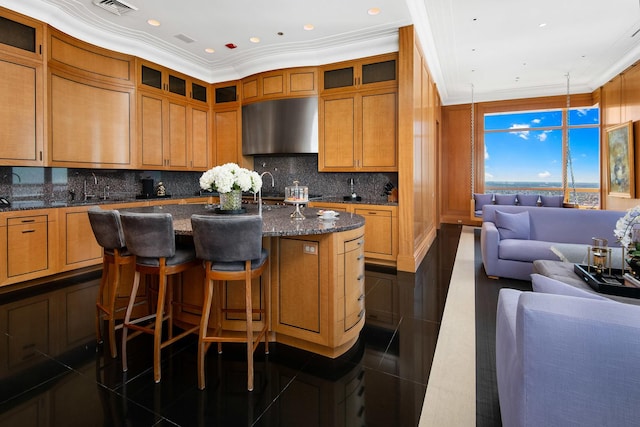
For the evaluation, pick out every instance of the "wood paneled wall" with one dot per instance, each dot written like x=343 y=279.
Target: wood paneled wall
x=620 y=103
x=455 y=156
x=418 y=135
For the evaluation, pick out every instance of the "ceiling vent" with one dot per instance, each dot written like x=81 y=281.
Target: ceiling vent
x=117 y=7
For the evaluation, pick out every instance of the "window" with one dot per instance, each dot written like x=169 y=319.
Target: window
x=526 y=152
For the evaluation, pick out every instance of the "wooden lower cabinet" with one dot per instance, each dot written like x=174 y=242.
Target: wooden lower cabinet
x=79 y=247
x=381 y=229
x=28 y=243
x=318 y=291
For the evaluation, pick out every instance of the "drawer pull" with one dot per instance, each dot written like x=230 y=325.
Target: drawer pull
x=361 y=297
x=361 y=391
x=361 y=314
x=28 y=231
x=360 y=277
x=24 y=221
x=360 y=257
x=359 y=242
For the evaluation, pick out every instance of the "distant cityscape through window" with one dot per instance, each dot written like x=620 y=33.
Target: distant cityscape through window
x=544 y=152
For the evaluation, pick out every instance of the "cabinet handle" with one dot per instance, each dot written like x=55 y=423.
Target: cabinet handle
x=28 y=231
x=359 y=242
x=372 y=213
x=361 y=297
x=25 y=221
x=361 y=391
x=40 y=155
x=361 y=314
x=360 y=277
x=360 y=258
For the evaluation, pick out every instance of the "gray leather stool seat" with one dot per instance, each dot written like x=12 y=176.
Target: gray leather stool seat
x=108 y=232
x=231 y=248
x=150 y=237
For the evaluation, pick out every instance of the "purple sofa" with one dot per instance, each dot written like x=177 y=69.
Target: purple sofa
x=512 y=237
x=566 y=359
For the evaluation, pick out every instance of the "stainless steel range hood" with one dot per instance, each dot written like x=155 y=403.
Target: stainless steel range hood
x=280 y=126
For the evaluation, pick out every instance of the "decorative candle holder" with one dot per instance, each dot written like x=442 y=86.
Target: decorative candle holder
x=599 y=255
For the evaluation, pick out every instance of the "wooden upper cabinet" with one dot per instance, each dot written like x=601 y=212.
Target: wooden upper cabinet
x=226 y=94
x=22 y=112
x=172 y=134
x=358 y=131
x=366 y=73
x=154 y=77
x=285 y=83
x=20 y=35
x=91 y=124
x=85 y=60
x=22 y=91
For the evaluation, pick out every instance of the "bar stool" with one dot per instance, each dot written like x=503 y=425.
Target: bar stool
x=231 y=248
x=150 y=237
x=107 y=230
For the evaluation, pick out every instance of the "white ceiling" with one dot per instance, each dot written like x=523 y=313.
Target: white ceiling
x=495 y=46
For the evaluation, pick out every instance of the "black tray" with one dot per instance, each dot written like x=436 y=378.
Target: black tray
x=612 y=284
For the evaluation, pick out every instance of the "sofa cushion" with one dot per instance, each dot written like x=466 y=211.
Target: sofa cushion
x=513 y=225
x=552 y=201
x=528 y=199
x=505 y=199
x=481 y=200
x=525 y=250
x=548 y=285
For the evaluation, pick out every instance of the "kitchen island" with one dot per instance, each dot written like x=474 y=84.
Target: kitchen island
x=316 y=277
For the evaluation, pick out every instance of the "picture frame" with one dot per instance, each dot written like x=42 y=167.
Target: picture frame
x=620 y=157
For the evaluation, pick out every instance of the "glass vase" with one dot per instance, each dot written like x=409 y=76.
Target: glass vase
x=231 y=201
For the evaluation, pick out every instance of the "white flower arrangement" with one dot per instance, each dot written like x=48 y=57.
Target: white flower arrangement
x=229 y=177
x=624 y=228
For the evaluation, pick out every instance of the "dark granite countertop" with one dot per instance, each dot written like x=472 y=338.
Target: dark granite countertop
x=276 y=219
x=18 y=205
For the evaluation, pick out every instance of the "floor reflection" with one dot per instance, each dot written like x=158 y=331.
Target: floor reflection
x=381 y=381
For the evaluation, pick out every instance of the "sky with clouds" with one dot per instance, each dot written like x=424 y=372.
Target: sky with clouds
x=527 y=146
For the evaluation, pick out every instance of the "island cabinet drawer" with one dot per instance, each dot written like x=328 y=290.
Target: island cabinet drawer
x=353 y=245
x=353 y=282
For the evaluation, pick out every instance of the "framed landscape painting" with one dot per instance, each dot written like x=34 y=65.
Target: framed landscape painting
x=621 y=160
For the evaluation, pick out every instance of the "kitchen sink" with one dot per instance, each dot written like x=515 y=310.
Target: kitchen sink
x=352 y=199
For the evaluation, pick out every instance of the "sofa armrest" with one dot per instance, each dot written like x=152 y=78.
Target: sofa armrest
x=575 y=361
x=489 y=243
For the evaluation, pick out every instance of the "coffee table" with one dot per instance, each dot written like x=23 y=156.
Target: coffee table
x=563 y=272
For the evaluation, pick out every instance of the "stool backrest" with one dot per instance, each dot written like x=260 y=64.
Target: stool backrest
x=149 y=235
x=107 y=228
x=227 y=238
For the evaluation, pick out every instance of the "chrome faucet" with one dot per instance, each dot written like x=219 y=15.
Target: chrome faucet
x=273 y=184
x=85 y=195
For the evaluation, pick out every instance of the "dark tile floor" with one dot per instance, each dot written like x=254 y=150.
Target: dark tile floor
x=487 y=404
x=381 y=381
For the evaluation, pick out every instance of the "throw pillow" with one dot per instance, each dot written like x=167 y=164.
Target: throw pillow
x=552 y=201
x=528 y=199
x=548 y=285
x=513 y=225
x=505 y=199
x=482 y=199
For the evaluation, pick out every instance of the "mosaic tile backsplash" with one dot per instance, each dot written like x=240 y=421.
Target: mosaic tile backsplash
x=62 y=184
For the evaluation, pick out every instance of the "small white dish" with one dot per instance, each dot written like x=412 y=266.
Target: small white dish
x=328 y=214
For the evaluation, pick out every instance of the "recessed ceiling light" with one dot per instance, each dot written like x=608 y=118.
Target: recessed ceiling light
x=209 y=50
x=542 y=25
x=153 y=22
x=308 y=27
x=373 y=11
x=254 y=39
